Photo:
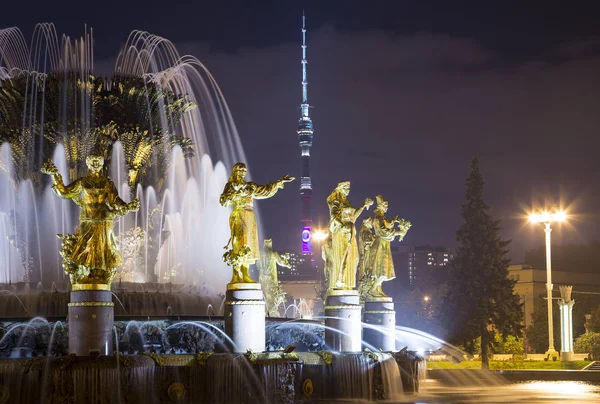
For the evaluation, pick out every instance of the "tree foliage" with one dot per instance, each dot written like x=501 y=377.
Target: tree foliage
x=588 y=343
x=480 y=300
x=537 y=332
x=509 y=345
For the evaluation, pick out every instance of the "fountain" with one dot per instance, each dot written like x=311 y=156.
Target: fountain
x=161 y=320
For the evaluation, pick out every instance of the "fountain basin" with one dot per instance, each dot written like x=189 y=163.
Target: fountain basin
x=206 y=377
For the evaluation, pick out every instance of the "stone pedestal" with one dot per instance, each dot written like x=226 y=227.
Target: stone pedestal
x=342 y=313
x=380 y=316
x=245 y=316
x=91 y=323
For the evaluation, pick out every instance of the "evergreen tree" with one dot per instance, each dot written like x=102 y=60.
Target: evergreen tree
x=480 y=295
x=537 y=332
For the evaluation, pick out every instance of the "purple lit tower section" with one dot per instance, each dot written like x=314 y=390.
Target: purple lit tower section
x=305 y=135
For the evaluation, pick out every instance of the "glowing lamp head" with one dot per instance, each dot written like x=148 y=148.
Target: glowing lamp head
x=548 y=217
x=560 y=216
x=319 y=235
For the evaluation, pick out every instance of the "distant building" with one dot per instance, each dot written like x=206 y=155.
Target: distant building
x=300 y=282
x=296 y=262
x=301 y=267
x=531 y=285
x=400 y=258
x=427 y=258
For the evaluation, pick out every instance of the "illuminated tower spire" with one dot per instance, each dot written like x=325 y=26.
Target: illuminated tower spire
x=305 y=135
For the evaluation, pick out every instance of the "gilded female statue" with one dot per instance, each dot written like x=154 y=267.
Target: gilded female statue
x=268 y=279
x=341 y=245
x=365 y=242
x=242 y=223
x=91 y=255
x=382 y=265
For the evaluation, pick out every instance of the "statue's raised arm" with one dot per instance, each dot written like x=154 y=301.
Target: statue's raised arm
x=64 y=191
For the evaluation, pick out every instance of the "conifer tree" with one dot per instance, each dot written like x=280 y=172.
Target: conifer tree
x=480 y=296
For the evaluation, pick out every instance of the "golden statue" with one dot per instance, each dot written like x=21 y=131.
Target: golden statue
x=340 y=249
x=91 y=255
x=366 y=238
x=242 y=223
x=380 y=261
x=274 y=294
x=365 y=241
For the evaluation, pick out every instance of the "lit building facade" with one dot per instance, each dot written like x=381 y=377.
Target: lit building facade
x=531 y=286
x=427 y=258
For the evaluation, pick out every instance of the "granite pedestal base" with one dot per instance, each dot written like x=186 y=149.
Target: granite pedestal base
x=381 y=319
x=91 y=322
x=245 y=317
x=342 y=313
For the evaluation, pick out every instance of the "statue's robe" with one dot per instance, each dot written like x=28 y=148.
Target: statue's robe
x=242 y=221
x=95 y=246
x=381 y=252
x=344 y=247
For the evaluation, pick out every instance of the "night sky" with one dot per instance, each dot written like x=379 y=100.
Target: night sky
x=405 y=93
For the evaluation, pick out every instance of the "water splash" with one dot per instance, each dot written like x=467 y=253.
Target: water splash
x=183 y=225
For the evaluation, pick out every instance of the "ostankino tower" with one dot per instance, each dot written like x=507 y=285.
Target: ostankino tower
x=305 y=135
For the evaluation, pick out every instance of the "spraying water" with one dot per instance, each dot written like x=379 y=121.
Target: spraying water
x=168 y=136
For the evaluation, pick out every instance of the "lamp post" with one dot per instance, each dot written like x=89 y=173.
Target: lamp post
x=547 y=218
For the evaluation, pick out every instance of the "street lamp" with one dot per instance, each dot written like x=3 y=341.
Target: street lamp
x=319 y=235
x=547 y=218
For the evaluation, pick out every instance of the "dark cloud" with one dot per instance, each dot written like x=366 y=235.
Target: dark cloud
x=404 y=95
x=402 y=115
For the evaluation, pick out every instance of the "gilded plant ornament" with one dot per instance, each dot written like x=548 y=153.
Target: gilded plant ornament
x=124 y=109
x=91 y=255
x=327 y=356
x=176 y=391
x=307 y=388
x=202 y=357
x=251 y=356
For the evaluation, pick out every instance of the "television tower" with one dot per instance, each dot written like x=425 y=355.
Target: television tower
x=305 y=135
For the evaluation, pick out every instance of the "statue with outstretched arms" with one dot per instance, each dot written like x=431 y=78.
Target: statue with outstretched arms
x=239 y=195
x=91 y=255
